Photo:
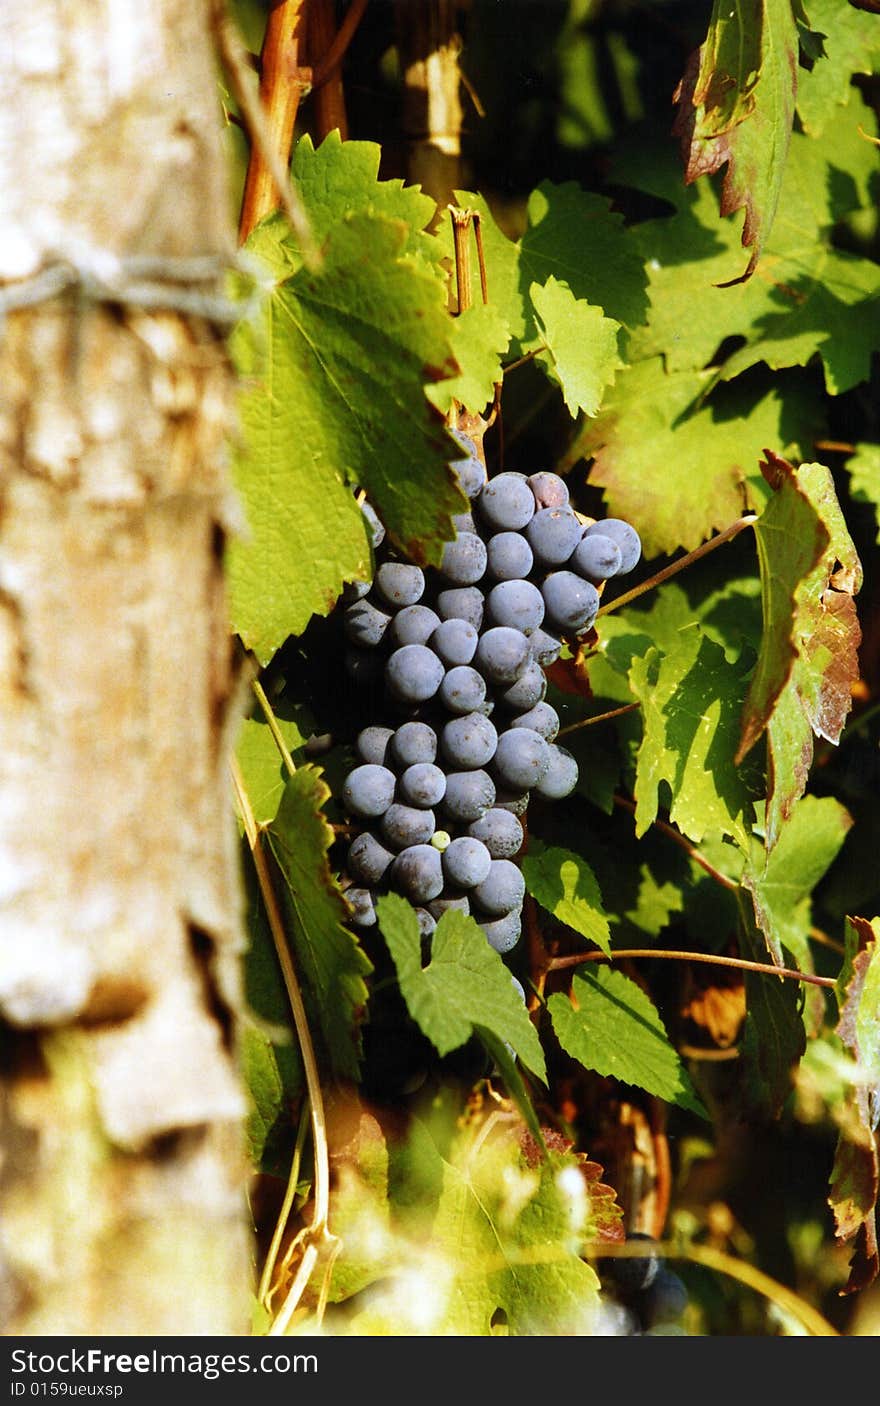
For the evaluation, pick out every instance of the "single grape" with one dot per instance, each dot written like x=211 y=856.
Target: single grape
x=561 y=776
x=368 y=790
x=624 y=535
x=468 y=742
x=461 y=603
x=502 y=890
x=515 y=802
x=413 y=673
x=414 y=624
x=455 y=641
x=399 y=583
x=441 y=839
x=572 y=603
x=372 y=744
x=464 y=559
x=665 y=1299
x=633 y=1276
x=463 y=440
x=469 y=794
x=553 y=534
x=455 y=902
x=464 y=522
x=364 y=624
x=508 y=556
x=542 y=718
x=521 y=758
x=545 y=649
x=463 y=690
x=530 y=687
x=412 y=742
x=549 y=489
x=502 y=654
x=417 y=873
x=375 y=526
x=427 y=922
x=367 y=859
x=466 y=862
x=516 y=603
x=504 y=933
x=518 y=987
x=506 y=503
x=423 y=785
x=468 y=470
x=500 y=831
x=355 y=590
x=596 y=558
x=403 y=825
x=360 y=901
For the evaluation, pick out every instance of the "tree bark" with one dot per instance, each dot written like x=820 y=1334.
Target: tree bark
x=123 y=1177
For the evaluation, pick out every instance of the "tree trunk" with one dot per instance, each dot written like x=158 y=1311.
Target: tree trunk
x=123 y=1177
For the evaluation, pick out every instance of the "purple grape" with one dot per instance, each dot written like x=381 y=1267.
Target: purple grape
x=461 y=603
x=464 y=522
x=561 y=776
x=368 y=790
x=466 y=862
x=624 y=535
x=458 y=903
x=545 y=649
x=542 y=718
x=468 y=470
x=423 y=784
x=355 y=590
x=515 y=802
x=507 y=503
x=464 y=559
x=368 y=859
x=417 y=873
x=509 y=556
x=549 y=489
x=469 y=794
x=411 y=743
x=500 y=832
x=403 y=825
x=413 y=673
x=365 y=624
x=375 y=526
x=463 y=690
x=360 y=901
x=414 y=624
x=400 y=583
x=596 y=557
x=521 y=758
x=572 y=603
x=502 y=654
x=372 y=744
x=502 y=890
x=427 y=922
x=455 y=641
x=530 y=687
x=516 y=603
x=553 y=534
x=504 y=933
x=469 y=742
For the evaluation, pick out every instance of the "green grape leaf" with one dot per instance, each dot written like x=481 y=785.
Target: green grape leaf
x=611 y=1026
x=572 y=236
x=262 y=769
x=736 y=105
x=565 y=885
x=340 y=177
x=333 y=373
x=808 y=661
x=479 y=336
x=331 y=962
x=855 y=1176
x=851 y=42
x=691 y=701
x=774 y=1038
x=782 y=882
x=465 y=984
x=581 y=345
x=676 y=469
x=863 y=468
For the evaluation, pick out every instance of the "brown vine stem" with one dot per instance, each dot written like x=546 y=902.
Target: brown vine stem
x=598 y=718
x=327 y=96
x=733 y=530
x=317 y=1231
x=767 y=968
x=344 y=35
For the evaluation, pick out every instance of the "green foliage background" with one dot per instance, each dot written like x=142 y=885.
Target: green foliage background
x=690 y=322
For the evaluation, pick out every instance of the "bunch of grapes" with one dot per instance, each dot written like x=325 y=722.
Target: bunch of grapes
x=644 y=1297
x=443 y=780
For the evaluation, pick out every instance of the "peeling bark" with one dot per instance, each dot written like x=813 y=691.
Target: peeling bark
x=122 y=1184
